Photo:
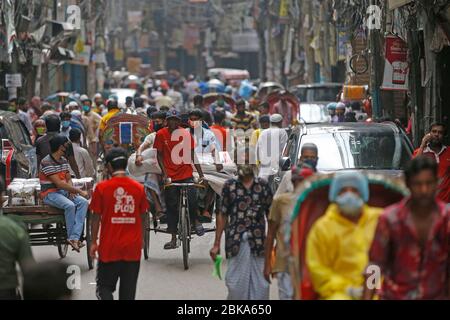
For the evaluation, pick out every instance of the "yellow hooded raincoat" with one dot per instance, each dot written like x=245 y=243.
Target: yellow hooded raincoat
x=337 y=251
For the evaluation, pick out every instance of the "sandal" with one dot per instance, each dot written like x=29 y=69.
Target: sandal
x=74 y=245
x=170 y=245
x=81 y=244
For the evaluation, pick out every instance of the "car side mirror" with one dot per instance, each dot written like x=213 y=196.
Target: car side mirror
x=285 y=163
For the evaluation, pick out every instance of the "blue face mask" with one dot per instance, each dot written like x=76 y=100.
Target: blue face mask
x=349 y=203
x=86 y=108
x=65 y=124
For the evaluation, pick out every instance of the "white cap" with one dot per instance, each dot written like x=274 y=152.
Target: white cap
x=143 y=96
x=98 y=95
x=73 y=104
x=84 y=98
x=275 y=118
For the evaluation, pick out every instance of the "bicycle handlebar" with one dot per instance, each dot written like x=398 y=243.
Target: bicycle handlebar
x=184 y=184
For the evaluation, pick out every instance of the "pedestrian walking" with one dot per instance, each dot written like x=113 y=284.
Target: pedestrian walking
x=245 y=207
x=119 y=206
x=411 y=247
x=280 y=210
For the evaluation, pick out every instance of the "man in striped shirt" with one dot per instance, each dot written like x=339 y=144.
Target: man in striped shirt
x=57 y=190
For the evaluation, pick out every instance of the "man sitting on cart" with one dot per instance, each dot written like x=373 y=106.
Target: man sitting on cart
x=337 y=248
x=171 y=144
x=205 y=144
x=57 y=190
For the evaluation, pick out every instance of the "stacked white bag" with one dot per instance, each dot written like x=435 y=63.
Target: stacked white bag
x=23 y=192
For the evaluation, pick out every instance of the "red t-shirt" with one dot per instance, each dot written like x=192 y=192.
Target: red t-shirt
x=172 y=147
x=120 y=201
x=221 y=135
x=443 y=160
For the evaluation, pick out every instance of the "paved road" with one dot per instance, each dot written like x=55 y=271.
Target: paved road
x=162 y=276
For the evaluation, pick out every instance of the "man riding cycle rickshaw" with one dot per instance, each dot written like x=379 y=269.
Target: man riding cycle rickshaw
x=177 y=168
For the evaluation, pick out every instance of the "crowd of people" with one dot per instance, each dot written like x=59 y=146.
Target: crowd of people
x=408 y=241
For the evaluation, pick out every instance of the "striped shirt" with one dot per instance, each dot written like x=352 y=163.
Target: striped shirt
x=49 y=167
x=244 y=122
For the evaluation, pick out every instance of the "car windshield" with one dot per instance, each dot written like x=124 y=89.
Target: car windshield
x=314 y=113
x=323 y=94
x=359 y=150
x=122 y=94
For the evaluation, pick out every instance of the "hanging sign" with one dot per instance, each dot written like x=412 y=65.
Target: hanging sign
x=13 y=80
x=396 y=69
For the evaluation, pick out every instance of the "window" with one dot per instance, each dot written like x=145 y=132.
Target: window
x=323 y=94
x=360 y=150
x=314 y=113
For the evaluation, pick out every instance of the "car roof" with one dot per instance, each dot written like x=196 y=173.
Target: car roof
x=320 y=85
x=318 y=128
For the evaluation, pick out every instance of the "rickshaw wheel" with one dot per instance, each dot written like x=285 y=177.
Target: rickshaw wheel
x=146 y=236
x=185 y=237
x=89 y=240
x=62 y=245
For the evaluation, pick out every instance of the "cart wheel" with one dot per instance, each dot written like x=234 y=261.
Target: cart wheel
x=185 y=228
x=61 y=243
x=62 y=250
x=89 y=240
x=146 y=236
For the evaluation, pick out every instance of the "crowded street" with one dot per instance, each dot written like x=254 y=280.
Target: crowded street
x=225 y=150
x=162 y=263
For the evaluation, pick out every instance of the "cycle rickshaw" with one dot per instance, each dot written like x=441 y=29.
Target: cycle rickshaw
x=46 y=225
x=312 y=202
x=127 y=131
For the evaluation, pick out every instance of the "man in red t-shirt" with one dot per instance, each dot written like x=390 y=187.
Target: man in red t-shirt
x=171 y=144
x=221 y=132
x=432 y=145
x=119 y=205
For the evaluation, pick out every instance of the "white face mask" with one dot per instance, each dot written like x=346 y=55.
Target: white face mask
x=350 y=203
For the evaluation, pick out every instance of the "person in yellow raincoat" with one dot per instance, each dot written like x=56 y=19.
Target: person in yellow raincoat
x=338 y=243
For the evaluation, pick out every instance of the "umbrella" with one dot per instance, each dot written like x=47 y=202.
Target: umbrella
x=216 y=85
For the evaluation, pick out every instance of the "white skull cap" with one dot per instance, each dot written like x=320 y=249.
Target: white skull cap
x=275 y=118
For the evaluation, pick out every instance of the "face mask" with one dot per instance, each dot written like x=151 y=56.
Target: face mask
x=40 y=131
x=157 y=126
x=194 y=124
x=349 y=203
x=65 y=124
x=86 y=108
x=12 y=108
x=311 y=162
x=220 y=103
